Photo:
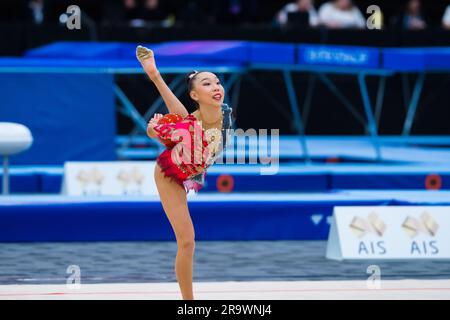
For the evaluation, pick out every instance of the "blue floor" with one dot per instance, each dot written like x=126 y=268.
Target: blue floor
x=138 y=262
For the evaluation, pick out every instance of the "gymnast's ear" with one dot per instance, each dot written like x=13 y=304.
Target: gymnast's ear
x=193 y=95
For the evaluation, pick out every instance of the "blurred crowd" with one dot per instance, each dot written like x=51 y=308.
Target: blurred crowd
x=344 y=14
x=333 y=14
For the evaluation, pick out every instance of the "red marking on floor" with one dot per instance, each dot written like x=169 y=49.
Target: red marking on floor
x=226 y=291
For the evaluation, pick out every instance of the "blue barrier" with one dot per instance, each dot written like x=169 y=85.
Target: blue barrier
x=290 y=178
x=339 y=56
x=81 y=50
x=15 y=65
x=225 y=217
x=176 y=53
x=216 y=217
x=272 y=53
x=118 y=54
x=416 y=59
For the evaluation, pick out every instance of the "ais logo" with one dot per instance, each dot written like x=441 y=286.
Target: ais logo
x=363 y=227
x=423 y=226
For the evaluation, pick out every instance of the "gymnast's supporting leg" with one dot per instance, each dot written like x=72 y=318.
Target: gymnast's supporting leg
x=174 y=201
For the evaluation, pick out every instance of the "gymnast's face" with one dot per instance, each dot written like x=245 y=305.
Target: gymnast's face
x=207 y=90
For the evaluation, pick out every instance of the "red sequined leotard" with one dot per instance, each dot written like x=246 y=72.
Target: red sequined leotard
x=186 y=159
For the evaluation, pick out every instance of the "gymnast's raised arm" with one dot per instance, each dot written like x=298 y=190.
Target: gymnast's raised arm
x=147 y=60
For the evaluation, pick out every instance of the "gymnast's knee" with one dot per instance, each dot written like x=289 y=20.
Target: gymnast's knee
x=186 y=244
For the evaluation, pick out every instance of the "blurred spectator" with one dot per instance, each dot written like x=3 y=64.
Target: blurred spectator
x=446 y=18
x=131 y=9
x=218 y=12
x=135 y=12
x=152 y=11
x=235 y=9
x=340 y=14
x=300 y=6
x=412 y=16
x=37 y=10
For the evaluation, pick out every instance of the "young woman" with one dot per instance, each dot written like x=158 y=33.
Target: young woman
x=208 y=131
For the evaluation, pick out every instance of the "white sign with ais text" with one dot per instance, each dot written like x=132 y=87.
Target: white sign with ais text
x=389 y=232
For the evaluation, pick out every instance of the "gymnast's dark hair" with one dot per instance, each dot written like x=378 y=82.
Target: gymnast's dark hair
x=190 y=77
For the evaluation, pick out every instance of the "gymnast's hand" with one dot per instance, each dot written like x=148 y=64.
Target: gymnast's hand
x=152 y=123
x=147 y=60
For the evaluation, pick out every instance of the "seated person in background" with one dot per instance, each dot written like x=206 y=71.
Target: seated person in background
x=152 y=11
x=412 y=17
x=131 y=9
x=36 y=8
x=133 y=12
x=446 y=18
x=305 y=6
x=341 y=14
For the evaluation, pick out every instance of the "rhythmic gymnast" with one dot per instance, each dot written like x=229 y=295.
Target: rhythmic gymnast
x=193 y=141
